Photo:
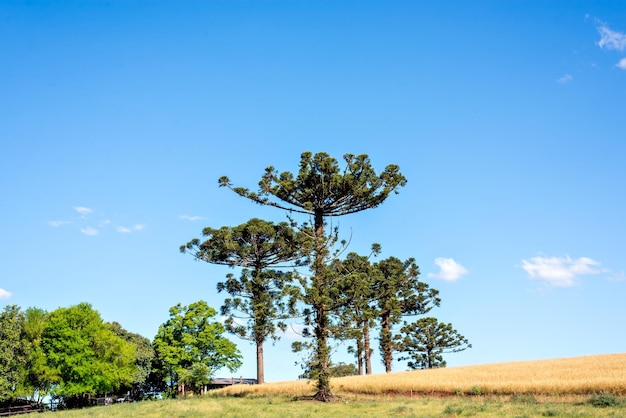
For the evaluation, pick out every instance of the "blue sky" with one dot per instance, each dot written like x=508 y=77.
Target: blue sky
x=117 y=119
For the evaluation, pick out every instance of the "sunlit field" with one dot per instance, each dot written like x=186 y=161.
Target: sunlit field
x=591 y=386
x=567 y=376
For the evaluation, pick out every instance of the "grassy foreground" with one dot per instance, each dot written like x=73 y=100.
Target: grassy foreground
x=591 y=386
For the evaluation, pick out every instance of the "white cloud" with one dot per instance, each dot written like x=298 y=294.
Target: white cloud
x=5 y=294
x=57 y=223
x=126 y=230
x=450 y=270
x=621 y=64
x=83 y=210
x=190 y=218
x=565 y=79
x=561 y=271
x=92 y=232
x=610 y=39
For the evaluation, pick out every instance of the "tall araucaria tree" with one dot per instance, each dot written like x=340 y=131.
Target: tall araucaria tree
x=322 y=189
x=258 y=295
x=400 y=293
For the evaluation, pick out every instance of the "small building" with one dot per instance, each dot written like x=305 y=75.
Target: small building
x=222 y=382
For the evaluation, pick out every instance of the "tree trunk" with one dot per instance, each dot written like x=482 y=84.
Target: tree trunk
x=322 y=356
x=367 y=351
x=360 y=353
x=385 y=342
x=260 y=371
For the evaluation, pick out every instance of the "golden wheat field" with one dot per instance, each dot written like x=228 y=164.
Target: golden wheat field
x=564 y=376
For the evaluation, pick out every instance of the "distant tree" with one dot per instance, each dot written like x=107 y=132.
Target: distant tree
x=321 y=189
x=400 y=293
x=12 y=352
x=190 y=346
x=335 y=370
x=426 y=340
x=258 y=294
x=144 y=356
x=356 y=317
x=86 y=357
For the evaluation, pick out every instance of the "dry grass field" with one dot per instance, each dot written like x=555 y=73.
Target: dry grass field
x=591 y=386
x=557 y=377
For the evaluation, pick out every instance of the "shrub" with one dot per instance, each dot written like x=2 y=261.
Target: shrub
x=604 y=400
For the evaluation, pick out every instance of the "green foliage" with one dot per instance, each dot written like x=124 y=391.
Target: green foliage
x=322 y=189
x=190 y=347
x=605 y=400
x=85 y=356
x=399 y=293
x=259 y=294
x=39 y=377
x=356 y=284
x=144 y=357
x=13 y=352
x=426 y=339
x=255 y=244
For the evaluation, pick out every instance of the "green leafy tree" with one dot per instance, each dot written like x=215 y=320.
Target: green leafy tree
x=144 y=356
x=426 y=340
x=86 y=357
x=39 y=376
x=12 y=352
x=320 y=190
x=400 y=293
x=258 y=294
x=190 y=346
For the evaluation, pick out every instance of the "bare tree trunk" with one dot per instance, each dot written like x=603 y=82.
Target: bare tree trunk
x=367 y=351
x=260 y=372
x=385 y=343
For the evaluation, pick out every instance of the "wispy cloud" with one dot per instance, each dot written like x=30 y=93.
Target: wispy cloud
x=83 y=210
x=450 y=270
x=610 y=39
x=127 y=230
x=5 y=294
x=92 y=232
x=561 y=271
x=566 y=78
x=58 y=223
x=190 y=218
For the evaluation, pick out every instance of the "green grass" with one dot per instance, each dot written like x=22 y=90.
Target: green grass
x=286 y=407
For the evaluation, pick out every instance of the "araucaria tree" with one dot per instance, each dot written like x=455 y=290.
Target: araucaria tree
x=400 y=293
x=258 y=294
x=426 y=339
x=322 y=189
x=358 y=312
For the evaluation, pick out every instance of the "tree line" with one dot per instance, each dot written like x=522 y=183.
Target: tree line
x=72 y=356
